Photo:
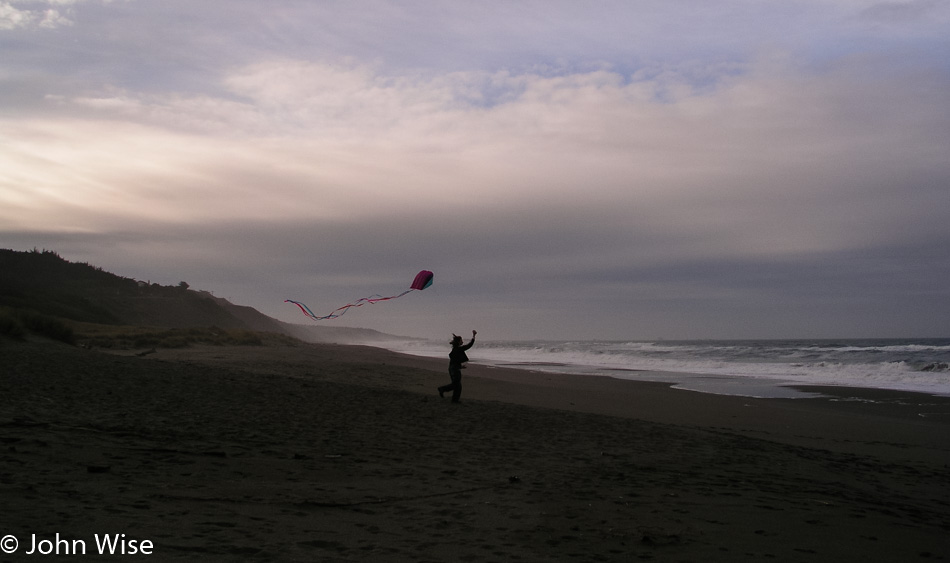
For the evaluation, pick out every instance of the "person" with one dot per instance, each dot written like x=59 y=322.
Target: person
x=457 y=359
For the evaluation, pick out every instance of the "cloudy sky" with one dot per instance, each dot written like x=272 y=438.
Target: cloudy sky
x=627 y=170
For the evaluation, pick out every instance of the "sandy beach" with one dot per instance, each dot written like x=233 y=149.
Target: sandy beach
x=339 y=453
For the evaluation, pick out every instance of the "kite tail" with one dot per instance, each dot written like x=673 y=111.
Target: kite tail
x=388 y=298
x=306 y=310
x=339 y=312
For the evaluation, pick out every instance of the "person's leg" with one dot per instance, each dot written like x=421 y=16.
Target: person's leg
x=448 y=387
x=456 y=384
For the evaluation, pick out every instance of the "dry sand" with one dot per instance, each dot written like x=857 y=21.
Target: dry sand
x=334 y=453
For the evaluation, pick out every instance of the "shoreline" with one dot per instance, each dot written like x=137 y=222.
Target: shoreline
x=830 y=419
x=769 y=383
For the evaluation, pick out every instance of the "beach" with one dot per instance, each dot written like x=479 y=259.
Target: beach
x=347 y=453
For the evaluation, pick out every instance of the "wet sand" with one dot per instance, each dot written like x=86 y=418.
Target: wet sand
x=336 y=453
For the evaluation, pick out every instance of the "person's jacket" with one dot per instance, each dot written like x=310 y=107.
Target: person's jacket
x=457 y=356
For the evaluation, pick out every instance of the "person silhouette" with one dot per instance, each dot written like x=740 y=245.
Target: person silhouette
x=457 y=359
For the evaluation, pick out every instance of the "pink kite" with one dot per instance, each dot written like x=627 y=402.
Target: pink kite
x=423 y=280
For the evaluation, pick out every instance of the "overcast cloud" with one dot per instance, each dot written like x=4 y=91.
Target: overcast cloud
x=619 y=170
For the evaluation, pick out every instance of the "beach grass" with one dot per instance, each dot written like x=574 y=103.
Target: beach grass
x=121 y=337
x=18 y=323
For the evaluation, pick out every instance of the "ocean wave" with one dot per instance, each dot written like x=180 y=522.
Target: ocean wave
x=902 y=365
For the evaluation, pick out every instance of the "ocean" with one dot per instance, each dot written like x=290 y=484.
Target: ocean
x=755 y=368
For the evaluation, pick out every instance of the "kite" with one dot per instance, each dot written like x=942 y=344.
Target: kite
x=423 y=280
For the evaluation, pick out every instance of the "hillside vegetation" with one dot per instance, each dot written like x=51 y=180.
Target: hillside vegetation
x=41 y=293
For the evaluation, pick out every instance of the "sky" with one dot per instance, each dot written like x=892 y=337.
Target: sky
x=642 y=169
